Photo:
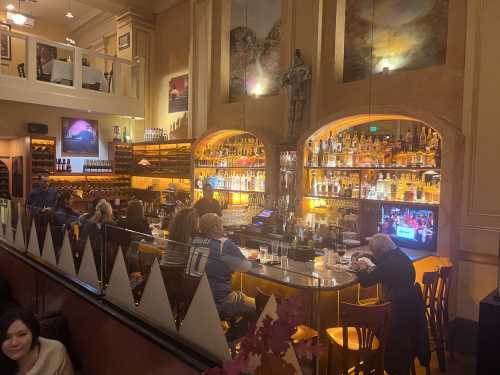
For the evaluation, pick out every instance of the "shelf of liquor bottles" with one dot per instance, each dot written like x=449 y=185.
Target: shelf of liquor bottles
x=42 y=158
x=234 y=164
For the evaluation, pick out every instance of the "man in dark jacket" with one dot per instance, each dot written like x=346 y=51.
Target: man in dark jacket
x=407 y=335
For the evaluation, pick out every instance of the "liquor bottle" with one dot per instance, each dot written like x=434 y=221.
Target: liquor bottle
x=314 y=191
x=63 y=165
x=422 y=139
x=409 y=140
x=310 y=154
x=320 y=154
x=68 y=166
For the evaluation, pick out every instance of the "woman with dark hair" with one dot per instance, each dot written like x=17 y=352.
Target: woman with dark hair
x=135 y=220
x=62 y=212
x=182 y=229
x=25 y=352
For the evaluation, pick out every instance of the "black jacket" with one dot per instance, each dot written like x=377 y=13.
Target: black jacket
x=408 y=336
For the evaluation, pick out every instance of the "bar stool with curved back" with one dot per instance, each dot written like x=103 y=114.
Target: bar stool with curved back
x=360 y=340
x=368 y=300
x=442 y=301
x=429 y=281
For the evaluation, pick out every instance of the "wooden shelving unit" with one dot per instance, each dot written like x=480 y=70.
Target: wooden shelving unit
x=4 y=180
x=41 y=159
x=170 y=159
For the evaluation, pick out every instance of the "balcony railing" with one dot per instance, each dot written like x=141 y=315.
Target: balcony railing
x=45 y=72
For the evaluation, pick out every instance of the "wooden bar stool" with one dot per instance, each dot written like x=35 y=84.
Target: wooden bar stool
x=360 y=340
x=442 y=300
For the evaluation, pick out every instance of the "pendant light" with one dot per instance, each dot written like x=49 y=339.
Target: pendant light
x=69 y=14
x=19 y=18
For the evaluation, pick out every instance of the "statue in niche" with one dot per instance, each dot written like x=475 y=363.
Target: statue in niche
x=296 y=79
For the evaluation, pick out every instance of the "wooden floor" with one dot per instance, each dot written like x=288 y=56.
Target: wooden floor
x=461 y=365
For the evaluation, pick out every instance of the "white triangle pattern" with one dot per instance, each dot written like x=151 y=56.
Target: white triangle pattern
x=66 y=262
x=48 y=253
x=155 y=304
x=201 y=326
x=118 y=290
x=19 y=240
x=88 y=271
x=33 y=247
x=8 y=226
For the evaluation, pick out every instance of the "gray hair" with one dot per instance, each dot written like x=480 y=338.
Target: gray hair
x=381 y=242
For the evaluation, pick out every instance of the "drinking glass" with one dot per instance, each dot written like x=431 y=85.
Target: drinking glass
x=263 y=253
x=284 y=255
x=275 y=250
x=342 y=250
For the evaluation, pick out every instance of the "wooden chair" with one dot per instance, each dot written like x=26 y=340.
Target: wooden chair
x=429 y=281
x=40 y=75
x=20 y=70
x=442 y=303
x=361 y=339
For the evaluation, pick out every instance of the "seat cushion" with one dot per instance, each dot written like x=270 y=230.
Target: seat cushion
x=335 y=336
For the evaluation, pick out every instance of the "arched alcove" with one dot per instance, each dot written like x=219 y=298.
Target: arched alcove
x=445 y=205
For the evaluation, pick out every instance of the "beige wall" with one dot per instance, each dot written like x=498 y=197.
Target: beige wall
x=479 y=236
x=172 y=38
x=15 y=116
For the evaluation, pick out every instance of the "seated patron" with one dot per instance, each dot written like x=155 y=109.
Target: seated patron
x=63 y=214
x=225 y=258
x=182 y=229
x=407 y=334
x=43 y=197
x=24 y=352
x=135 y=219
x=208 y=204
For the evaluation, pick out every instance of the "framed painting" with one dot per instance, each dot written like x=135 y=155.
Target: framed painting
x=178 y=94
x=124 y=41
x=79 y=137
x=393 y=35
x=5 y=43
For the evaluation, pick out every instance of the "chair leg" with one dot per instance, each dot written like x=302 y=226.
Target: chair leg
x=412 y=368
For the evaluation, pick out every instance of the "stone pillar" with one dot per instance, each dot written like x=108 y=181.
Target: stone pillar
x=140 y=28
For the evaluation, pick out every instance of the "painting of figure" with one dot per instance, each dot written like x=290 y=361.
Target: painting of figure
x=392 y=35
x=254 y=42
x=79 y=137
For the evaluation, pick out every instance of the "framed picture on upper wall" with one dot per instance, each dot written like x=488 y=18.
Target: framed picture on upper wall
x=79 y=137
x=124 y=41
x=178 y=94
x=5 y=43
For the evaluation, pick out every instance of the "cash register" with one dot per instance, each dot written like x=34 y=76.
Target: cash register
x=267 y=221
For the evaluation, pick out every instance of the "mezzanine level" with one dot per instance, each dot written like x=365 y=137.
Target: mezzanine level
x=38 y=71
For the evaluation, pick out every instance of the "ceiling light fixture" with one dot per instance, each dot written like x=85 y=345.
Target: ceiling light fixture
x=10 y=7
x=18 y=18
x=69 y=14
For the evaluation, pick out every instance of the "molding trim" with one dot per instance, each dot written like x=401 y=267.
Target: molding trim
x=136 y=18
x=479 y=258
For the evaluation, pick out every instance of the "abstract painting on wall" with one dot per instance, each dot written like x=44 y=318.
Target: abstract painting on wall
x=407 y=35
x=79 y=137
x=178 y=94
x=254 y=48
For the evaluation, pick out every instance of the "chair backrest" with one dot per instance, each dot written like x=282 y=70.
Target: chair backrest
x=197 y=261
x=20 y=70
x=369 y=321
x=443 y=285
x=429 y=281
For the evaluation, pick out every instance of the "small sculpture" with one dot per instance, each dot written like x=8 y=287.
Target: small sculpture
x=296 y=78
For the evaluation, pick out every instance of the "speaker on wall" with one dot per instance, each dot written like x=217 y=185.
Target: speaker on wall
x=34 y=128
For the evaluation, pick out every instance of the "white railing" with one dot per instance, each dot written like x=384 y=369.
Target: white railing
x=131 y=85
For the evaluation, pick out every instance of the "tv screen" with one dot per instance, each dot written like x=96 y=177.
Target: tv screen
x=409 y=226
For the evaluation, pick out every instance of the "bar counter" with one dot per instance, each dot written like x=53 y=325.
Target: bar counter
x=319 y=289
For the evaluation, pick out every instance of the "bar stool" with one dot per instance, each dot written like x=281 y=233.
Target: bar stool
x=370 y=300
x=442 y=298
x=362 y=338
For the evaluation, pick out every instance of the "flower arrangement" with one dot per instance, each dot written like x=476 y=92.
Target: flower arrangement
x=270 y=341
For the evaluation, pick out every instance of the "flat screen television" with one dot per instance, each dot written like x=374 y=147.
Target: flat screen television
x=412 y=227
